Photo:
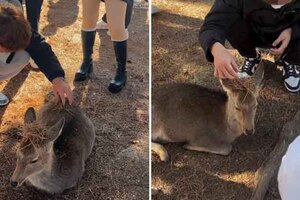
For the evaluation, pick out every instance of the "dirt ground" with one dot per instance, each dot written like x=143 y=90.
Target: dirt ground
x=118 y=165
x=177 y=57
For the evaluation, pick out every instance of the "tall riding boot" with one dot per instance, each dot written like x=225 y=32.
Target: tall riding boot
x=117 y=84
x=86 y=68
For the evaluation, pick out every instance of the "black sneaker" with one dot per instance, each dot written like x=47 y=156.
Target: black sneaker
x=291 y=76
x=249 y=67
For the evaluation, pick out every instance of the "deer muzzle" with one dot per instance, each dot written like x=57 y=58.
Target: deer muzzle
x=14 y=184
x=249 y=132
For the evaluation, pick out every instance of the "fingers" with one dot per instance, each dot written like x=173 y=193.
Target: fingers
x=221 y=75
x=275 y=51
x=232 y=71
x=225 y=65
x=69 y=96
x=280 y=38
x=284 y=39
x=62 y=91
x=281 y=49
x=62 y=97
x=57 y=98
x=277 y=41
x=234 y=66
x=226 y=72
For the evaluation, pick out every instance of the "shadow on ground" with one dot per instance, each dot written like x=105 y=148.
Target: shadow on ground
x=66 y=10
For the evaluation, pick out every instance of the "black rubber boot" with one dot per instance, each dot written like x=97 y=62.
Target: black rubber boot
x=117 y=84
x=86 y=68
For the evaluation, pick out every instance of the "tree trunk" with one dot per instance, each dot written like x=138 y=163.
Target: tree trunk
x=271 y=165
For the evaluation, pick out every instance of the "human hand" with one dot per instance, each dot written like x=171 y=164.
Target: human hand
x=62 y=90
x=225 y=65
x=284 y=40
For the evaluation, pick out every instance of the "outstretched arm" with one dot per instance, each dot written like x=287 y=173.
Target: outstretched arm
x=219 y=19
x=41 y=52
x=213 y=34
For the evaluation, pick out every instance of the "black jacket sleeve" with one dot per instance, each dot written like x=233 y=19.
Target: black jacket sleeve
x=42 y=54
x=221 y=16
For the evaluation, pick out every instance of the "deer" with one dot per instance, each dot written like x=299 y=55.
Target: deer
x=55 y=144
x=204 y=119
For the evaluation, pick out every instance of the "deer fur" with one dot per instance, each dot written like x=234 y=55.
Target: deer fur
x=54 y=148
x=204 y=119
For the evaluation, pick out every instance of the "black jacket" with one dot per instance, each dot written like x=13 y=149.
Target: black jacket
x=41 y=52
x=258 y=13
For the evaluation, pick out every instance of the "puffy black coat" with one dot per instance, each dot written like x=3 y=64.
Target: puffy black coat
x=262 y=17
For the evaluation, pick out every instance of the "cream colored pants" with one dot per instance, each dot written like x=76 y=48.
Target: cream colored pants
x=115 y=13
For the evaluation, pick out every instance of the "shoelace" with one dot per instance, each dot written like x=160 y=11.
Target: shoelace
x=290 y=70
x=248 y=64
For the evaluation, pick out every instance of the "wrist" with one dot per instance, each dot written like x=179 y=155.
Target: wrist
x=58 y=79
x=288 y=32
x=215 y=48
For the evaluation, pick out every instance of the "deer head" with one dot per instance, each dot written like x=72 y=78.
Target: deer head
x=242 y=100
x=36 y=148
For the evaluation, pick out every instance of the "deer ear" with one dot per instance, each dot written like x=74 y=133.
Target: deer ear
x=258 y=78
x=30 y=116
x=227 y=85
x=54 y=132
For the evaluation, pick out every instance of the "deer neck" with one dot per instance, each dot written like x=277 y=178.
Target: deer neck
x=234 y=126
x=50 y=165
x=52 y=162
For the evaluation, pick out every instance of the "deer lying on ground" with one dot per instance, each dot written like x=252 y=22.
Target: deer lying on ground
x=54 y=148
x=203 y=119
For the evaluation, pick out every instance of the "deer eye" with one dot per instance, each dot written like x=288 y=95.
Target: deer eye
x=237 y=108
x=34 y=160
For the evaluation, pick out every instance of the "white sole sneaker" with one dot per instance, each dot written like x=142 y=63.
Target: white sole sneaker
x=291 y=89
x=33 y=64
x=242 y=75
x=3 y=100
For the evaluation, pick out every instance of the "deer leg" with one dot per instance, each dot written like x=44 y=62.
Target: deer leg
x=28 y=183
x=224 y=149
x=160 y=151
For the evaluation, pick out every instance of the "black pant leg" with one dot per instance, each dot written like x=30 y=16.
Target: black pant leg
x=292 y=52
x=128 y=12
x=33 y=11
x=241 y=37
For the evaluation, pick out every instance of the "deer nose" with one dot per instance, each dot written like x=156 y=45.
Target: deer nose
x=249 y=132
x=14 y=184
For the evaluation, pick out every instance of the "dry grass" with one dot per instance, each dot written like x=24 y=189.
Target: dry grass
x=118 y=165
x=178 y=57
x=33 y=133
